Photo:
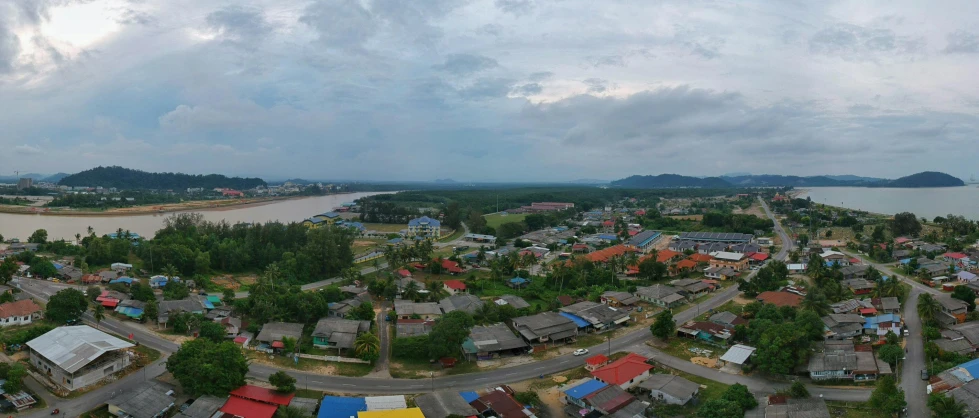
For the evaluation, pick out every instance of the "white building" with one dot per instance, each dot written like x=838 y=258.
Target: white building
x=22 y=312
x=78 y=356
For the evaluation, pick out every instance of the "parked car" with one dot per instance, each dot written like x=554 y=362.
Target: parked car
x=580 y=351
x=906 y=332
x=924 y=374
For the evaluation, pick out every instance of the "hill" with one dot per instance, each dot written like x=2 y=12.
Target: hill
x=664 y=181
x=926 y=179
x=125 y=178
x=54 y=178
x=771 y=180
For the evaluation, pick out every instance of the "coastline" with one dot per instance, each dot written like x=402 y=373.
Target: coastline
x=190 y=206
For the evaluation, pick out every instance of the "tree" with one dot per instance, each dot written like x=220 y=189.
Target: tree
x=98 y=313
x=664 y=327
x=448 y=334
x=368 y=347
x=151 y=311
x=283 y=382
x=7 y=269
x=39 y=236
x=141 y=292
x=228 y=297
x=740 y=395
x=41 y=267
x=966 y=295
x=212 y=331
x=175 y=290
x=943 y=406
x=67 y=305
x=798 y=390
x=887 y=397
x=15 y=378
x=204 y=367
x=905 y=223
x=719 y=408
x=93 y=292
x=928 y=307
x=364 y=312
x=890 y=353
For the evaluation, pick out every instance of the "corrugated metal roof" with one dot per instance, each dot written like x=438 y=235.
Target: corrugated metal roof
x=581 y=323
x=588 y=387
x=738 y=354
x=341 y=407
x=72 y=348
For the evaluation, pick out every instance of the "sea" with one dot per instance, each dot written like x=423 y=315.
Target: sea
x=923 y=202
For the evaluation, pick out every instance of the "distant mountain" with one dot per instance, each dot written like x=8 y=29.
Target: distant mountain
x=54 y=178
x=737 y=174
x=926 y=179
x=297 y=181
x=125 y=178
x=670 y=181
x=588 y=181
x=445 y=181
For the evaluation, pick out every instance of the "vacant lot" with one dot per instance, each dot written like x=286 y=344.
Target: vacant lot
x=386 y=227
x=496 y=219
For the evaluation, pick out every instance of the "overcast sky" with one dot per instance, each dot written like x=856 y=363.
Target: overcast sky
x=521 y=90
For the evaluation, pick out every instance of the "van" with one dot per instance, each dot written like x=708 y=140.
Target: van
x=906 y=332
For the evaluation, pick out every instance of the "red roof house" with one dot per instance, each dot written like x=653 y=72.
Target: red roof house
x=18 y=309
x=263 y=395
x=404 y=273
x=780 y=299
x=902 y=240
x=625 y=372
x=608 y=223
x=666 y=255
x=246 y=408
x=686 y=265
x=451 y=266
x=91 y=278
x=758 y=256
x=106 y=300
x=454 y=286
x=500 y=402
x=640 y=212
x=700 y=258
x=606 y=254
x=595 y=362
x=954 y=256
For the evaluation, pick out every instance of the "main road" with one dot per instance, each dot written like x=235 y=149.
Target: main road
x=633 y=341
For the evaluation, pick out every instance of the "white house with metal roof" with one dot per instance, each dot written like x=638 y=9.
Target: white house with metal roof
x=78 y=356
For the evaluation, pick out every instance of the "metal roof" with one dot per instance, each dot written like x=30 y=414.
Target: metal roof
x=675 y=386
x=72 y=348
x=716 y=236
x=738 y=354
x=341 y=407
x=444 y=403
x=147 y=400
x=586 y=388
x=385 y=403
x=204 y=407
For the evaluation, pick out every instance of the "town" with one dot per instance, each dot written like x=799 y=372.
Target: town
x=641 y=306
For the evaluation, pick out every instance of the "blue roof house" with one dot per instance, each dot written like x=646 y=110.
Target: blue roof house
x=425 y=227
x=574 y=395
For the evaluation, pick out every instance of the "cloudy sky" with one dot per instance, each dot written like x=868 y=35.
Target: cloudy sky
x=520 y=90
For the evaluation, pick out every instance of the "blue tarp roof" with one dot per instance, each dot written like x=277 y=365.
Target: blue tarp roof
x=519 y=280
x=581 y=323
x=972 y=367
x=341 y=407
x=905 y=261
x=610 y=237
x=584 y=389
x=207 y=303
x=58 y=266
x=126 y=280
x=872 y=321
x=130 y=311
x=469 y=396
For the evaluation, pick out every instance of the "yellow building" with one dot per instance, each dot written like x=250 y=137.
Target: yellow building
x=328 y=218
x=392 y=413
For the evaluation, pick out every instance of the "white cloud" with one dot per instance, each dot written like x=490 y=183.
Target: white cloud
x=27 y=150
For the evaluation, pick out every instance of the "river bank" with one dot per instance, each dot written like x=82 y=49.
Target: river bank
x=189 y=206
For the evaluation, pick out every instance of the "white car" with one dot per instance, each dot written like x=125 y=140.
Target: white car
x=580 y=351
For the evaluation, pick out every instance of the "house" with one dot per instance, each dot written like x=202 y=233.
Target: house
x=700 y=258
x=934 y=270
x=545 y=327
x=735 y=261
x=673 y=390
x=338 y=333
x=454 y=286
x=746 y=248
x=727 y=319
x=791 y=407
x=414 y=327
x=682 y=246
x=171 y=307
x=606 y=254
x=693 y=287
x=565 y=300
x=596 y=362
x=966 y=277
x=843 y=326
x=452 y=268
x=840 y=360
x=273 y=333
x=855 y=271
x=883 y=324
x=516 y=302
x=203 y=407
x=595 y=315
x=614 y=298
x=444 y=403
x=149 y=399
x=608 y=400
x=395 y=413
x=575 y=394
x=255 y=402
x=859 y=286
x=968 y=394
x=953 y=311
x=738 y=355
x=498 y=403
x=888 y=305
x=660 y=295
x=849 y=306
x=625 y=372
x=409 y=310
x=780 y=298
x=707 y=331
x=425 y=227
x=345 y=307
x=725 y=237
x=644 y=240
x=71 y=273
x=665 y=256
x=518 y=282
x=831 y=257
x=492 y=341
x=461 y=302
x=720 y=273
x=75 y=357
x=21 y=312
x=684 y=266
x=712 y=247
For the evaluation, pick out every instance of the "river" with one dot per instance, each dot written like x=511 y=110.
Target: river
x=66 y=226
x=923 y=202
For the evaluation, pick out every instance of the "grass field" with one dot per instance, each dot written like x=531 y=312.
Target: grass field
x=495 y=220
x=393 y=228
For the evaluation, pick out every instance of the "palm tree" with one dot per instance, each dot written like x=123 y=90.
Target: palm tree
x=170 y=271
x=98 y=313
x=411 y=290
x=815 y=301
x=947 y=406
x=90 y=230
x=928 y=307
x=367 y=346
x=78 y=238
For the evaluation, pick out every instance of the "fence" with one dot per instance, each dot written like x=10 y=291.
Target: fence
x=337 y=359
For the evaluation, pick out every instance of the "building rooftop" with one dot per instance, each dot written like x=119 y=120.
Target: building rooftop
x=414 y=327
x=19 y=308
x=623 y=369
x=204 y=407
x=404 y=307
x=423 y=221
x=444 y=403
x=263 y=395
x=675 y=386
x=495 y=337
x=738 y=354
x=624 y=298
x=727 y=256
x=516 y=302
x=146 y=400
x=461 y=302
x=274 y=331
x=72 y=348
x=341 y=333
x=595 y=313
x=341 y=407
x=545 y=324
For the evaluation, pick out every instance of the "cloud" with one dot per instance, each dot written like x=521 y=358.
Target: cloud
x=27 y=150
x=962 y=42
x=487 y=88
x=9 y=48
x=596 y=85
x=857 y=42
x=515 y=7
x=528 y=89
x=241 y=25
x=466 y=64
x=598 y=61
x=340 y=24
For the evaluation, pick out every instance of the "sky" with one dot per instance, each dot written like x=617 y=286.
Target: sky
x=489 y=90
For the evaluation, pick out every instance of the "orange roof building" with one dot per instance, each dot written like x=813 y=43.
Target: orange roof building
x=19 y=312
x=686 y=265
x=625 y=372
x=700 y=258
x=609 y=253
x=666 y=255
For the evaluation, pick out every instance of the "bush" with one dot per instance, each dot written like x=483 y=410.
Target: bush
x=410 y=348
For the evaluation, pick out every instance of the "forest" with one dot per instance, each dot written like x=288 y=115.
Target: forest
x=125 y=178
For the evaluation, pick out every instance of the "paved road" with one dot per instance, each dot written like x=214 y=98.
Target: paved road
x=915 y=390
x=322 y=283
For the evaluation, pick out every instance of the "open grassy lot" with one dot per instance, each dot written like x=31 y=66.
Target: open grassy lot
x=496 y=219
x=851 y=409
x=393 y=228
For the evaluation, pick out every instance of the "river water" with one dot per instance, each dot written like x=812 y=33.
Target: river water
x=58 y=227
x=923 y=202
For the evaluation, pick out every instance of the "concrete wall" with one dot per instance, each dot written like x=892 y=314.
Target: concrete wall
x=81 y=379
x=16 y=320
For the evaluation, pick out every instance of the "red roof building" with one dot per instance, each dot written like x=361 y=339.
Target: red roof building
x=263 y=395
x=780 y=299
x=700 y=258
x=640 y=212
x=608 y=223
x=18 y=309
x=91 y=278
x=902 y=240
x=758 y=256
x=106 y=300
x=595 y=362
x=246 y=408
x=954 y=256
x=454 y=286
x=500 y=402
x=686 y=265
x=624 y=372
x=666 y=255
x=609 y=253
x=404 y=273
x=451 y=266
